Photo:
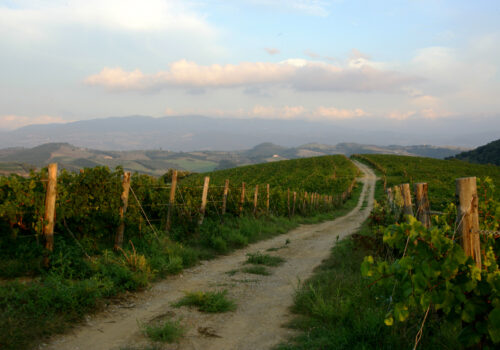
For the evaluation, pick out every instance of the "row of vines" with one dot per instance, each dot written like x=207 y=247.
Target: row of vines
x=431 y=275
x=88 y=202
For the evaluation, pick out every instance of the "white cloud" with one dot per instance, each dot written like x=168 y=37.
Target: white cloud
x=332 y=113
x=285 y=112
x=425 y=113
x=11 y=122
x=32 y=18
x=298 y=74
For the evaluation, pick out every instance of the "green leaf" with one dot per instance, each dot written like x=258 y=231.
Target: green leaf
x=468 y=313
x=366 y=266
x=401 y=312
x=494 y=325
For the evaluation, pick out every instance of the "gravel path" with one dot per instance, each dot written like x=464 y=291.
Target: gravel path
x=263 y=301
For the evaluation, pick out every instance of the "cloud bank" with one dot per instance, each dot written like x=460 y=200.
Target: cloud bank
x=298 y=74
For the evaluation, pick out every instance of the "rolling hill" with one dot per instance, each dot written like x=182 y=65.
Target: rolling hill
x=157 y=162
x=487 y=154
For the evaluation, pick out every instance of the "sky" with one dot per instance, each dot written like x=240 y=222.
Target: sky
x=391 y=61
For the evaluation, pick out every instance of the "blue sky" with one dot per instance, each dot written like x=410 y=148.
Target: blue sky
x=297 y=59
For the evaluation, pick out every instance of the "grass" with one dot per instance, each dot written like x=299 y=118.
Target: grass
x=211 y=302
x=167 y=332
x=264 y=259
x=256 y=270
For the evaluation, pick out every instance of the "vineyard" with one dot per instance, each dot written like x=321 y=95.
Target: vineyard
x=328 y=175
x=112 y=233
x=441 y=267
x=439 y=174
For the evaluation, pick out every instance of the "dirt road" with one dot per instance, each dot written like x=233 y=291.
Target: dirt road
x=262 y=301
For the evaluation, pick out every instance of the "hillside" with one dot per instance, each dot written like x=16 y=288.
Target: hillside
x=487 y=154
x=325 y=175
x=156 y=162
x=439 y=174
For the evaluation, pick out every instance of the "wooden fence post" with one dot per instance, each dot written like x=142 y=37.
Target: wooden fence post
x=405 y=192
x=255 y=199
x=224 y=196
x=171 y=200
x=242 y=199
x=422 y=204
x=268 y=190
x=50 y=212
x=204 y=200
x=123 y=210
x=294 y=200
x=468 y=218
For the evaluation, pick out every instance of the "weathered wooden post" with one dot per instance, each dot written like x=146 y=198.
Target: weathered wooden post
x=294 y=201
x=50 y=212
x=268 y=190
x=422 y=204
x=171 y=200
x=123 y=210
x=405 y=192
x=224 y=196
x=468 y=217
x=255 y=199
x=204 y=200
x=242 y=199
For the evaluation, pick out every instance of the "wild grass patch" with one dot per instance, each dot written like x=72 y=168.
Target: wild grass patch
x=256 y=270
x=168 y=331
x=211 y=302
x=264 y=259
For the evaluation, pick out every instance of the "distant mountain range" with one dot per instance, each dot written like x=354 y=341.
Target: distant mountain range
x=156 y=162
x=191 y=133
x=487 y=154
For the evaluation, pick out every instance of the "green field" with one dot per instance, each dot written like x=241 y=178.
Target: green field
x=439 y=174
